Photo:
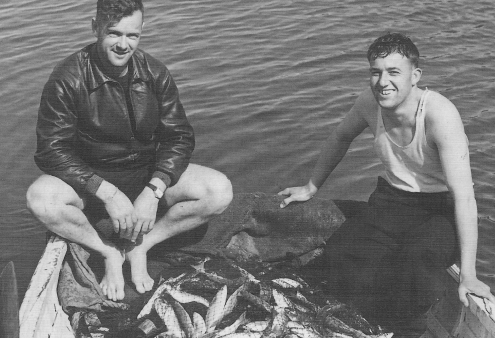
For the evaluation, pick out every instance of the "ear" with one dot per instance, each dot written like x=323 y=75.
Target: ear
x=94 y=27
x=416 y=75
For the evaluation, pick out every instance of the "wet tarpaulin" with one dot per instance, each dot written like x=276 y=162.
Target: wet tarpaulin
x=255 y=227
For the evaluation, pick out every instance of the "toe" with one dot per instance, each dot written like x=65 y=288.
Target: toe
x=140 y=288
x=111 y=294
x=104 y=288
x=120 y=294
x=150 y=284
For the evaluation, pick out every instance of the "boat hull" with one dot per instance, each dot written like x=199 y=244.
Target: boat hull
x=42 y=316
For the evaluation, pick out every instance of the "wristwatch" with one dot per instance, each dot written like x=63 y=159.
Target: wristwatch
x=158 y=193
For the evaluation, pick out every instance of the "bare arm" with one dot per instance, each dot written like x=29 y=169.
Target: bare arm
x=447 y=132
x=332 y=152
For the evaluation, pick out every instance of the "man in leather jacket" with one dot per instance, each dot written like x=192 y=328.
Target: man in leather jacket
x=114 y=142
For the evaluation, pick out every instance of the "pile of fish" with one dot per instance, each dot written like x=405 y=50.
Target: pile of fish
x=202 y=304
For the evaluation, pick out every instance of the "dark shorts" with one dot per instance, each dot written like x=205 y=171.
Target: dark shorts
x=393 y=257
x=130 y=182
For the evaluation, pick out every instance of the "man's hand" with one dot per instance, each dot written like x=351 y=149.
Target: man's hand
x=474 y=285
x=299 y=194
x=144 y=216
x=118 y=206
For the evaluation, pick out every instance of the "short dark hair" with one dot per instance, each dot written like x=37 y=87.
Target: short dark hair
x=394 y=43
x=112 y=11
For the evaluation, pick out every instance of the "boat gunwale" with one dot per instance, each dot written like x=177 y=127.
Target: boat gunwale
x=42 y=289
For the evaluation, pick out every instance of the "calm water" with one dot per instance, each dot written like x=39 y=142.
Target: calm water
x=263 y=82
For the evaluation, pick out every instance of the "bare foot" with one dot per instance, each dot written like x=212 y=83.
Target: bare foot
x=112 y=282
x=139 y=269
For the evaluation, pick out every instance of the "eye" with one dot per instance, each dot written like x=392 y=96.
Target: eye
x=113 y=34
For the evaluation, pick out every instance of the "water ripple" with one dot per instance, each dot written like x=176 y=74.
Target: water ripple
x=263 y=84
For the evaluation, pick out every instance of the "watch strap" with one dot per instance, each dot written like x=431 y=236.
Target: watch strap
x=158 y=193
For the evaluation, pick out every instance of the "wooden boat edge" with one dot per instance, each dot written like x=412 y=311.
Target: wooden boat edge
x=9 y=307
x=41 y=315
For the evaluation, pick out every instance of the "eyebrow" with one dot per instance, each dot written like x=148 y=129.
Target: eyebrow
x=387 y=69
x=111 y=30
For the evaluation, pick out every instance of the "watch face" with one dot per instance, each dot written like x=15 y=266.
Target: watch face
x=158 y=193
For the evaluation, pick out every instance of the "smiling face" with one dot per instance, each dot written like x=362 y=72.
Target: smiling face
x=392 y=79
x=117 y=42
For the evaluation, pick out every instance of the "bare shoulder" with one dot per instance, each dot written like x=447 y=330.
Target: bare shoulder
x=440 y=107
x=443 y=121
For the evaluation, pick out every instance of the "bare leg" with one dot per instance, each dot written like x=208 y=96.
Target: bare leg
x=200 y=194
x=59 y=208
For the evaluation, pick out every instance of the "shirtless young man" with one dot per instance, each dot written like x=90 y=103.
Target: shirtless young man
x=426 y=199
x=114 y=142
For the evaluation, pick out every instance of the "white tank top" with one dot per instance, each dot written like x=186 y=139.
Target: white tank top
x=415 y=167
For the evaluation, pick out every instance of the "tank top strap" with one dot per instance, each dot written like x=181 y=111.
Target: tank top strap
x=420 y=115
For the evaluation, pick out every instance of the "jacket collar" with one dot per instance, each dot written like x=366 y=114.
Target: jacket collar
x=97 y=77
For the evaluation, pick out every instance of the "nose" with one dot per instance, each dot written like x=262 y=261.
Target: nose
x=383 y=80
x=122 y=42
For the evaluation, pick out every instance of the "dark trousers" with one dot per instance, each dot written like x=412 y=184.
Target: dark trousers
x=390 y=262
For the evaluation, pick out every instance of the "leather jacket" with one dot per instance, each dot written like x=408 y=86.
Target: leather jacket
x=84 y=124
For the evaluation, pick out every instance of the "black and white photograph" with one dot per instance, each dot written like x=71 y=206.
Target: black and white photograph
x=247 y=169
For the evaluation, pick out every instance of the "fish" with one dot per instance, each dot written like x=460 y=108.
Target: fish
x=233 y=327
x=200 y=283
x=185 y=297
x=292 y=324
x=256 y=300
x=199 y=325
x=297 y=316
x=232 y=300
x=166 y=312
x=339 y=335
x=336 y=324
x=215 y=312
x=306 y=332
x=244 y=335
x=184 y=319
x=300 y=307
x=245 y=273
x=280 y=299
x=265 y=292
x=256 y=326
x=301 y=298
x=359 y=322
x=146 y=310
x=213 y=334
x=287 y=283
x=278 y=324
x=200 y=268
